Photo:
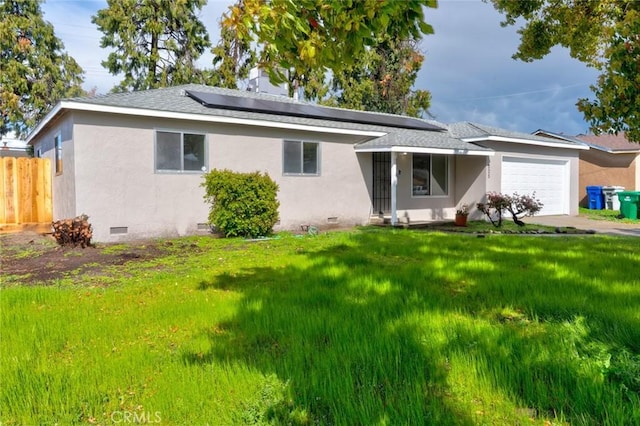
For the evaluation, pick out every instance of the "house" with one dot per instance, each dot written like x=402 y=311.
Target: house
x=10 y=146
x=611 y=160
x=133 y=162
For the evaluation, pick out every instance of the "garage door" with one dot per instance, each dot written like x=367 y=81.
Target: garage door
x=548 y=178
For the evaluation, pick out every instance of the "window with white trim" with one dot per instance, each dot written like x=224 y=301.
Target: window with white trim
x=430 y=175
x=57 y=148
x=301 y=158
x=180 y=152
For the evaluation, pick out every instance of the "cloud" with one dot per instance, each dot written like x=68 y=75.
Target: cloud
x=468 y=66
x=471 y=75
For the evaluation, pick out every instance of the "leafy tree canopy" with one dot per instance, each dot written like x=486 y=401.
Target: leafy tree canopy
x=36 y=72
x=382 y=80
x=604 y=34
x=233 y=58
x=156 y=42
x=305 y=35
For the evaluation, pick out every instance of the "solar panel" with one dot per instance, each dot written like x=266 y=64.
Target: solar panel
x=266 y=106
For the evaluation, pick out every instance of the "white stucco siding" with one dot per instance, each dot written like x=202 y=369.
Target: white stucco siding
x=416 y=209
x=62 y=184
x=118 y=187
x=471 y=176
x=337 y=196
x=125 y=197
x=466 y=184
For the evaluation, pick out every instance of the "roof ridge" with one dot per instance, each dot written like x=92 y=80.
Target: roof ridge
x=478 y=126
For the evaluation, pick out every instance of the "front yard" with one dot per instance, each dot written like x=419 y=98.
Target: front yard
x=370 y=326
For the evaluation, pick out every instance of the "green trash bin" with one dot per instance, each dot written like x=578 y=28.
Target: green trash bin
x=629 y=203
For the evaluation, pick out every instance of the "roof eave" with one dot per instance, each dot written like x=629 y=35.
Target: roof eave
x=426 y=150
x=43 y=123
x=524 y=141
x=142 y=112
x=615 y=151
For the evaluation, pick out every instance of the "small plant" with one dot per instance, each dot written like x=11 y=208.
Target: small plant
x=518 y=205
x=242 y=204
x=463 y=210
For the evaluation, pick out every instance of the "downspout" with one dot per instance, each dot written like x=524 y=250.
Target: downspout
x=394 y=190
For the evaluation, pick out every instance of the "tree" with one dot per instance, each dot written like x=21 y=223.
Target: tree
x=301 y=36
x=233 y=59
x=235 y=56
x=382 y=80
x=36 y=71
x=156 y=42
x=518 y=205
x=602 y=34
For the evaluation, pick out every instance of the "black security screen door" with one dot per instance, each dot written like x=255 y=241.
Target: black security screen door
x=381 y=182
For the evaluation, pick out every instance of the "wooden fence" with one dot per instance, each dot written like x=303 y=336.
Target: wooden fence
x=25 y=193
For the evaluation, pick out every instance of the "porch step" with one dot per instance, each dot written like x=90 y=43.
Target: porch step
x=379 y=220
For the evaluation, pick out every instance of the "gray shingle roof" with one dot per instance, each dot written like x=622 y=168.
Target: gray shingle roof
x=420 y=139
x=175 y=100
x=553 y=135
x=466 y=130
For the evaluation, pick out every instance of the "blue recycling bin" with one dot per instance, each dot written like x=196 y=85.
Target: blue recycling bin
x=596 y=197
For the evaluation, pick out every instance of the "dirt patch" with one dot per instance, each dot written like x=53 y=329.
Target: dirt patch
x=30 y=258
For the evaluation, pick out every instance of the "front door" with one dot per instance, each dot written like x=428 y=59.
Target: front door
x=381 y=182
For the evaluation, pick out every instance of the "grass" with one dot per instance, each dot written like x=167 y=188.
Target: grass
x=609 y=215
x=374 y=326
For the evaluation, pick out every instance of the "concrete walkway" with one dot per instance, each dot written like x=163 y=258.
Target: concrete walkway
x=584 y=223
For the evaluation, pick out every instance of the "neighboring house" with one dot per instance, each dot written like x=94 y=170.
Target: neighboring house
x=133 y=162
x=10 y=146
x=610 y=161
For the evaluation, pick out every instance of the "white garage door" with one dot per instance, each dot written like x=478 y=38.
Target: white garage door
x=549 y=179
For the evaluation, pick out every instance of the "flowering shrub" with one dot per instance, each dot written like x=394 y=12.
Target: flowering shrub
x=519 y=206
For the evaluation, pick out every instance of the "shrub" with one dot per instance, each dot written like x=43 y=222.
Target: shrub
x=518 y=205
x=242 y=204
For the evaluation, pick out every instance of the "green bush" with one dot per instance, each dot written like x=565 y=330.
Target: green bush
x=242 y=204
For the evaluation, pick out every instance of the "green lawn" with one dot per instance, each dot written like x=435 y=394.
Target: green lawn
x=609 y=215
x=373 y=326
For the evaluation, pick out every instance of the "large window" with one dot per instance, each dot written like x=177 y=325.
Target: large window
x=430 y=175
x=301 y=158
x=180 y=152
x=57 y=147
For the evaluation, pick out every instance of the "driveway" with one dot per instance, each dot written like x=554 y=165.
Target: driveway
x=581 y=222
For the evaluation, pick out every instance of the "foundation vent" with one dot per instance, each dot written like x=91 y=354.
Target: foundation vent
x=118 y=230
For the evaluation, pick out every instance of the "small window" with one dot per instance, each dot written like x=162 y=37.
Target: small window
x=180 y=152
x=57 y=142
x=430 y=175
x=301 y=158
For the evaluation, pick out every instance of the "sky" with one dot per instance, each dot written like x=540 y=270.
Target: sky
x=468 y=66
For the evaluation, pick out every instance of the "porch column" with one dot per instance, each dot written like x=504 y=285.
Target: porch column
x=394 y=191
